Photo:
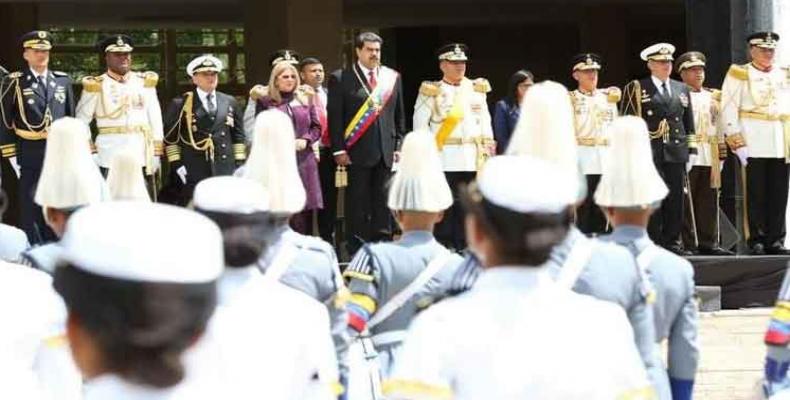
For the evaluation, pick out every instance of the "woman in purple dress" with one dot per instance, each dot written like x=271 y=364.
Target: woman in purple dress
x=285 y=93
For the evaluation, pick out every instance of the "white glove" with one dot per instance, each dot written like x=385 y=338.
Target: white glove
x=156 y=163
x=182 y=173
x=691 y=161
x=743 y=155
x=301 y=144
x=96 y=159
x=14 y=165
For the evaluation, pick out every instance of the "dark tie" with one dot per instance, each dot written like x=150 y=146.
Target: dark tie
x=212 y=109
x=43 y=83
x=664 y=91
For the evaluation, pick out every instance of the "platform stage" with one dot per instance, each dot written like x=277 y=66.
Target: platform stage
x=745 y=281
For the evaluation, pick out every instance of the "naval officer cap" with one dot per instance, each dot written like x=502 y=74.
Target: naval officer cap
x=586 y=61
x=284 y=55
x=116 y=44
x=230 y=195
x=142 y=242
x=766 y=40
x=37 y=40
x=495 y=185
x=204 y=63
x=453 y=52
x=658 y=52
x=690 y=59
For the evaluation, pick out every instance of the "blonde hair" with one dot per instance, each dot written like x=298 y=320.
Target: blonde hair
x=279 y=68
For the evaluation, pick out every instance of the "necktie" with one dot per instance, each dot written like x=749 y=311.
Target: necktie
x=372 y=79
x=664 y=91
x=43 y=83
x=212 y=109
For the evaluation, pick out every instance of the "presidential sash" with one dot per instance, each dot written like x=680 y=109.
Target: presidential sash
x=370 y=110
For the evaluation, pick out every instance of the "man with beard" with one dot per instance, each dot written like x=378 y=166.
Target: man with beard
x=366 y=121
x=125 y=106
x=31 y=100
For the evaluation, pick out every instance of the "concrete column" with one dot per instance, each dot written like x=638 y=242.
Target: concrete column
x=603 y=30
x=708 y=31
x=311 y=27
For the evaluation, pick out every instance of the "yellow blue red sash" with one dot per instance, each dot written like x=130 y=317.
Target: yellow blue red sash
x=370 y=110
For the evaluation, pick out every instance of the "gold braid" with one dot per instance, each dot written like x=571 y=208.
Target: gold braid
x=205 y=145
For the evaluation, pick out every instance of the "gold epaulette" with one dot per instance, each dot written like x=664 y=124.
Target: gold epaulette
x=715 y=94
x=738 y=72
x=92 y=84
x=15 y=75
x=613 y=95
x=304 y=94
x=481 y=85
x=258 y=91
x=430 y=89
x=151 y=79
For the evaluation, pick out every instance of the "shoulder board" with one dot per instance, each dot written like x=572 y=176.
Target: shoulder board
x=738 y=72
x=151 y=79
x=258 y=91
x=613 y=95
x=715 y=94
x=481 y=85
x=15 y=75
x=92 y=84
x=60 y=74
x=430 y=89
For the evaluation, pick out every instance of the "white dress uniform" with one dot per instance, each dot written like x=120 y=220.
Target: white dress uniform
x=593 y=113
x=127 y=114
x=464 y=148
x=35 y=361
x=501 y=339
x=706 y=112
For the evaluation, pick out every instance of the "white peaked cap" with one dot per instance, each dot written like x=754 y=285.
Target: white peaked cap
x=419 y=184
x=125 y=178
x=629 y=178
x=272 y=162
x=230 y=194
x=143 y=242
x=546 y=130
x=69 y=176
x=549 y=191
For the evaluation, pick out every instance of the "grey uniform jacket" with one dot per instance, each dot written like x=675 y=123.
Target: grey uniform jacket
x=675 y=310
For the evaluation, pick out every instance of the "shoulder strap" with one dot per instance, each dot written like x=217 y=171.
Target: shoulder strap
x=643 y=261
x=574 y=265
x=436 y=263
x=281 y=261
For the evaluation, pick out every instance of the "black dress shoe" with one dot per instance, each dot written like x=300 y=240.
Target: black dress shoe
x=777 y=250
x=757 y=250
x=679 y=250
x=714 y=251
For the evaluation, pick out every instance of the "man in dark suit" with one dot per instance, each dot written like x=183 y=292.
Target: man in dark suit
x=204 y=134
x=366 y=121
x=665 y=104
x=32 y=99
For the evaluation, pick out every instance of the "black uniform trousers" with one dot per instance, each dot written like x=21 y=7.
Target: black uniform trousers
x=766 y=197
x=666 y=223
x=589 y=217
x=367 y=216
x=31 y=216
x=705 y=211
x=451 y=231
x=327 y=216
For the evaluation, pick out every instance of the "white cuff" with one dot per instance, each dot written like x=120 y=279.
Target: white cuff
x=337 y=153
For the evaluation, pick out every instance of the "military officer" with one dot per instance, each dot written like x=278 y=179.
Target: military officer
x=259 y=91
x=125 y=106
x=454 y=109
x=665 y=105
x=204 y=130
x=704 y=168
x=605 y=271
x=386 y=279
x=30 y=101
x=294 y=363
x=593 y=110
x=69 y=180
x=755 y=118
x=501 y=339
x=630 y=189
x=302 y=262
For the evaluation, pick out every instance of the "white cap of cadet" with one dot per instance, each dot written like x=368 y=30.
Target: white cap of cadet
x=419 y=184
x=272 y=162
x=548 y=192
x=630 y=178
x=143 y=242
x=546 y=130
x=69 y=176
x=231 y=195
x=125 y=178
